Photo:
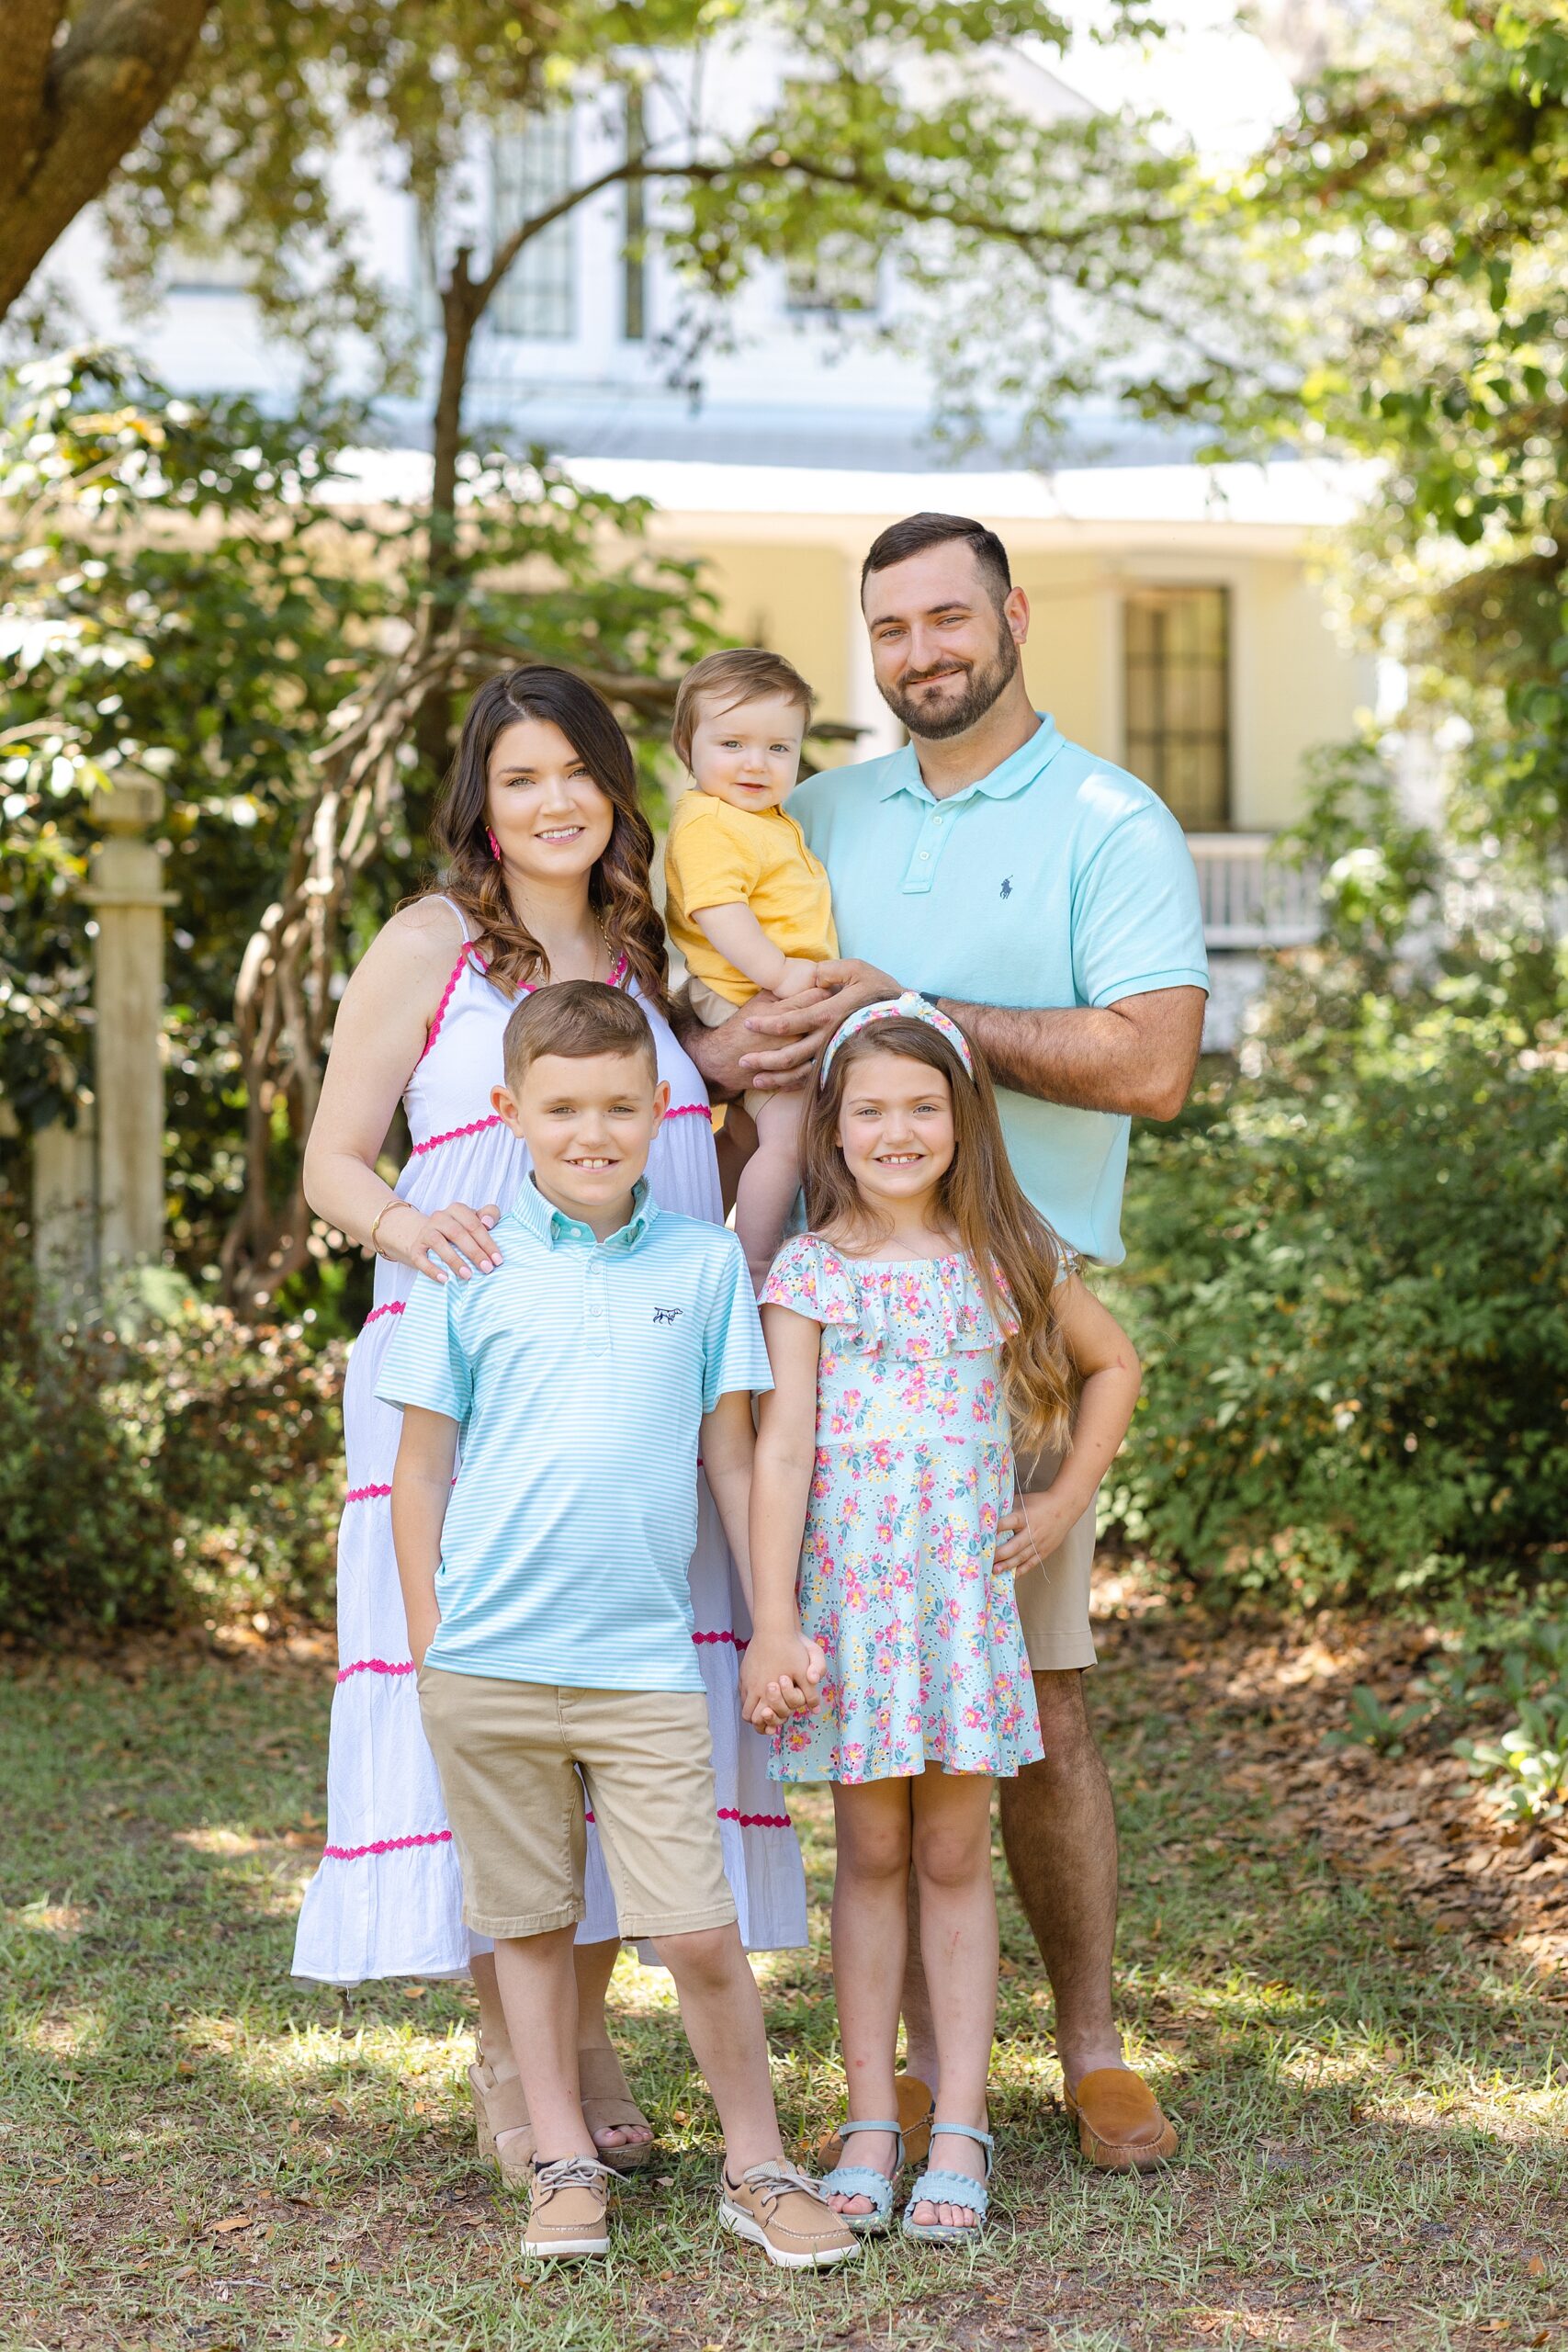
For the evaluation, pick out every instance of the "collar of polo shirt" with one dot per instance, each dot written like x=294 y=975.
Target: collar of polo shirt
x=554 y=1227
x=1020 y=768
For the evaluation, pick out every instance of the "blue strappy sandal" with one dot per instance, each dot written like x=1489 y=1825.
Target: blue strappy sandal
x=938 y=2186
x=865 y=2180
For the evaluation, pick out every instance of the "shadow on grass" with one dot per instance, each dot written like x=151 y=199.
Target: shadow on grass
x=1374 y=2113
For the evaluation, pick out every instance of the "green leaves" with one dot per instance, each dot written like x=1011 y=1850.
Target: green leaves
x=188 y=587
x=1349 y=1289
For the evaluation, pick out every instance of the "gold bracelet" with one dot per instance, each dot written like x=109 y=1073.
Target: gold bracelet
x=396 y=1202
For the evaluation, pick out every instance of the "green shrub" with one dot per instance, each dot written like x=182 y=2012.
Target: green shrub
x=89 y=1540
x=170 y=1464
x=1348 y=1290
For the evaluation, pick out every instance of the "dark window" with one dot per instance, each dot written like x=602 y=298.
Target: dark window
x=1178 y=699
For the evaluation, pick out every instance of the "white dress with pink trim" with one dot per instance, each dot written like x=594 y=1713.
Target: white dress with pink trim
x=386 y=1900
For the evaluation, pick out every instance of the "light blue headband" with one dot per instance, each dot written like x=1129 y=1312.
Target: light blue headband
x=908 y=1007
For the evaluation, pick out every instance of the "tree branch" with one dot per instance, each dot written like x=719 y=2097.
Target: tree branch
x=95 y=97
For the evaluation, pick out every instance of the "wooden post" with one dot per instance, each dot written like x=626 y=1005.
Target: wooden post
x=65 y=1209
x=126 y=893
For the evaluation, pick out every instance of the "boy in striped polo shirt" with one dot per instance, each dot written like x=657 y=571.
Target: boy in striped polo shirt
x=548 y=1609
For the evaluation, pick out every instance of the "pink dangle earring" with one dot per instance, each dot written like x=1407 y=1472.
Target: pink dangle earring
x=494 y=845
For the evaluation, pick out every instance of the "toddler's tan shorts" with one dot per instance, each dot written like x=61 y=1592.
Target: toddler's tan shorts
x=713 y=1009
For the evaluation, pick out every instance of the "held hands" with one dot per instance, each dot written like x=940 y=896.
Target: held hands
x=780 y=1678
x=812 y=1011
x=444 y=1241
x=1030 y=1531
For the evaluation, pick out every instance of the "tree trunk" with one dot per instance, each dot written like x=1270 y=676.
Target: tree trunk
x=69 y=114
x=462 y=304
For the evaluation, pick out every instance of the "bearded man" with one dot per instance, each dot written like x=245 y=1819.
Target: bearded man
x=1047 y=901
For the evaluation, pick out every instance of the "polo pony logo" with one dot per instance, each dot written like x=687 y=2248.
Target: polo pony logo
x=1006 y=891
x=668 y=1314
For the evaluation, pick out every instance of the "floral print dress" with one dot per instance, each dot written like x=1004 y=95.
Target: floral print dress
x=926 y=1661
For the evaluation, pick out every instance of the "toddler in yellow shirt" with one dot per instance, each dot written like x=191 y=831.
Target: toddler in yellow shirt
x=748 y=905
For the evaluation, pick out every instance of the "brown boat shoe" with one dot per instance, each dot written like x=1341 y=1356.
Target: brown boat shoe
x=1121 y=2126
x=781 y=2209
x=566 y=2216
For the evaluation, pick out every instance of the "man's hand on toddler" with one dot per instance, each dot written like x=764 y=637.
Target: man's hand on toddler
x=779 y=1679
x=1029 y=1533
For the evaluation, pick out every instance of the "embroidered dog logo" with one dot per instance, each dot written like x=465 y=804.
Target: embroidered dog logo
x=668 y=1314
x=1006 y=891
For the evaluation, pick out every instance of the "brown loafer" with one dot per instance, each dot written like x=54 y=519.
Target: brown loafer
x=1121 y=2128
x=915 y=2109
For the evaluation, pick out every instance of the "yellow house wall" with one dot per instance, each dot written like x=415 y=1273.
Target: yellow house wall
x=791 y=581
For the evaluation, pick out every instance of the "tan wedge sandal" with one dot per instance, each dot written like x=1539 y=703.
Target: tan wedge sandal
x=501 y=2107
x=608 y=2105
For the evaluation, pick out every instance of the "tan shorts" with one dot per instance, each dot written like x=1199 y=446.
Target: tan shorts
x=513 y=1759
x=713 y=1009
x=1053 y=1597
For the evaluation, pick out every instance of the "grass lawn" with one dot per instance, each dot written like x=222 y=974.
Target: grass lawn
x=198 y=2152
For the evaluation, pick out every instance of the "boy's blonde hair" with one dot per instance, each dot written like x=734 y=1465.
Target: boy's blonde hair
x=744 y=673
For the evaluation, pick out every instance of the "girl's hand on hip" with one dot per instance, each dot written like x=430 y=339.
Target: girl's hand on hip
x=1030 y=1532
x=442 y=1243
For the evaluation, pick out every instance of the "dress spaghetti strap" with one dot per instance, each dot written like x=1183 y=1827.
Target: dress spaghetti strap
x=442 y=899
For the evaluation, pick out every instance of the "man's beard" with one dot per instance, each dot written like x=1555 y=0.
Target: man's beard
x=981 y=687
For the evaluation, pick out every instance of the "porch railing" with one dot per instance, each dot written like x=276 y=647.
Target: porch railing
x=1249 y=900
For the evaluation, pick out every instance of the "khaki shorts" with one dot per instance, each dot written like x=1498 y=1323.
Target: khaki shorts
x=713 y=1009
x=514 y=1760
x=1053 y=1597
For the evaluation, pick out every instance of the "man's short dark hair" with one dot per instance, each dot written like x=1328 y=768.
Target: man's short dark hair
x=916 y=533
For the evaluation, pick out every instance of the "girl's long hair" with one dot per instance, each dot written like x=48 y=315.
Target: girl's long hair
x=1012 y=1250
x=619 y=887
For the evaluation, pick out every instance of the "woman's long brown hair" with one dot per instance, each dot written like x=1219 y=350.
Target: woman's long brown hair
x=998 y=1229
x=618 y=888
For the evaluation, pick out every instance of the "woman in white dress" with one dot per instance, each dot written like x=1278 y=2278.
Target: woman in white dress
x=546 y=852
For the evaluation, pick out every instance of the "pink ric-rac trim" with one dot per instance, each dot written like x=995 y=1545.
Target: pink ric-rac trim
x=364 y=1494
x=745 y=1820
x=446 y=1000
x=385 y=1846
x=384 y=1666
x=476 y=1127
x=393 y=1306
x=444 y=1836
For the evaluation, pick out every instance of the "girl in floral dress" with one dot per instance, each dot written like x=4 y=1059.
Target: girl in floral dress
x=926 y=1317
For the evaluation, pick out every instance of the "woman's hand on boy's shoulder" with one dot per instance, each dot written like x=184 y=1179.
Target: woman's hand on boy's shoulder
x=780 y=1678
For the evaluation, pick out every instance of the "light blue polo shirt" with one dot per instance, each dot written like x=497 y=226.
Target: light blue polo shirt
x=578 y=1373
x=1055 y=880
